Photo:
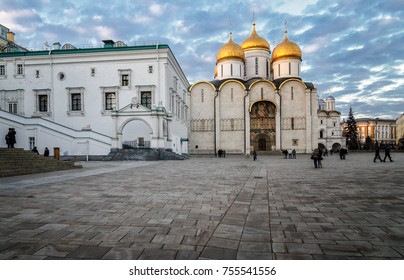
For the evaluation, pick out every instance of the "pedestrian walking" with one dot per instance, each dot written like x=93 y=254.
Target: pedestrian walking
x=377 y=154
x=387 y=153
x=315 y=156
x=10 y=138
x=254 y=154
x=294 y=153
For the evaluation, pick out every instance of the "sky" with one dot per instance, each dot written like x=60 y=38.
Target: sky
x=352 y=49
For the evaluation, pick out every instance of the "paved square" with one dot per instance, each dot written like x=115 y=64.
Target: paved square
x=208 y=208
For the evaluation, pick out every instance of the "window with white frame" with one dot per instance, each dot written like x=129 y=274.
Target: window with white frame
x=43 y=103
x=146 y=99
x=20 y=69
x=150 y=69
x=75 y=100
x=42 y=106
x=110 y=100
x=125 y=77
x=12 y=107
x=2 y=70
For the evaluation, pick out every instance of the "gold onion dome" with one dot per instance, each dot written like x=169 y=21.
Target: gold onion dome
x=286 y=49
x=230 y=50
x=255 y=41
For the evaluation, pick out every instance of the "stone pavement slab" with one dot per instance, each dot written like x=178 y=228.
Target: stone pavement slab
x=208 y=208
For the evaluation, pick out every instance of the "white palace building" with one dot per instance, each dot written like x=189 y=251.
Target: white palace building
x=87 y=101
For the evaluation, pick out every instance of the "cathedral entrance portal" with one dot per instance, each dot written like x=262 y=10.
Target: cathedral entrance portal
x=262 y=126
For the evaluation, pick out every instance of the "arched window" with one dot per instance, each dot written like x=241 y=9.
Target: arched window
x=321 y=134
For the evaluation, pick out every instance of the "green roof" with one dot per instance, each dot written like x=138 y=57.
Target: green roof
x=85 y=50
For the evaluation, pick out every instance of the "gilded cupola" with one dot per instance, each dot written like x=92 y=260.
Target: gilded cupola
x=255 y=42
x=286 y=49
x=230 y=50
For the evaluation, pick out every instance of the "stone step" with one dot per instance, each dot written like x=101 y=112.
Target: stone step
x=14 y=162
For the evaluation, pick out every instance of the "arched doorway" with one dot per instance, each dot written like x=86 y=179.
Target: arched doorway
x=336 y=147
x=136 y=134
x=263 y=126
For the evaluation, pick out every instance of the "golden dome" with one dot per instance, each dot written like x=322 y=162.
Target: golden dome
x=286 y=49
x=230 y=50
x=255 y=41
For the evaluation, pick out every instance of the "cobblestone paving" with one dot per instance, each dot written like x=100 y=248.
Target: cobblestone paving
x=208 y=208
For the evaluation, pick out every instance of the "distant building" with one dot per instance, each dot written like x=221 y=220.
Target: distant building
x=7 y=43
x=329 y=126
x=89 y=101
x=400 y=131
x=379 y=130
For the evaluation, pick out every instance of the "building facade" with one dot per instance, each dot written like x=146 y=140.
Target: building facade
x=89 y=101
x=258 y=101
x=378 y=130
x=330 y=129
x=7 y=43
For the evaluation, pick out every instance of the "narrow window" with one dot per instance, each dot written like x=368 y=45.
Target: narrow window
x=145 y=99
x=20 y=69
x=256 y=66
x=2 y=70
x=321 y=134
x=221 y=70
x=76 y=101
x=232 y=124
x=231 y=94
x=202 y=96
x=267 y=68
x=291 y=93
x=290 y=69
x=31 y=142
x=110 y=100
x=92 y=72
x=36 y=73
x=262 y=93
x=150 y=69
x=293 y=123
x=231 y=69
x=43 y=103
x=124 y=80
x=279 y=69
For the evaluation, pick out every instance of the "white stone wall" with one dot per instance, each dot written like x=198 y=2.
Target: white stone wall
x=92 y=73
x=280 y=68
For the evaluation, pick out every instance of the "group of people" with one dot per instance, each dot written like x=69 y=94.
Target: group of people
x=289 y=153
x=45 y=153
x=221 y=153
x=10 y=138
x=386 y=154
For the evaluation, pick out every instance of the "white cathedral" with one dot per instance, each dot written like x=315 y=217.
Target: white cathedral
x=258 y=101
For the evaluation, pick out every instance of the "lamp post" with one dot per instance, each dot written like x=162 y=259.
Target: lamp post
x=376 y=131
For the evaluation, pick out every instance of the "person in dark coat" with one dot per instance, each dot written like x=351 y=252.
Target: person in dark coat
x=254 y=154
x=46 y=152
x=35 y=151
x=377 y=154
x=10 y=138
x=387 y=153
x=315 y=156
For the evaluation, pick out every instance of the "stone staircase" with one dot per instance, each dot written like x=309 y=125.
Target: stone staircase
x=14 y=162
x=144 y=155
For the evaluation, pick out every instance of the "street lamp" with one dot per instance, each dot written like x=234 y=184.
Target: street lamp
x=376 y=131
